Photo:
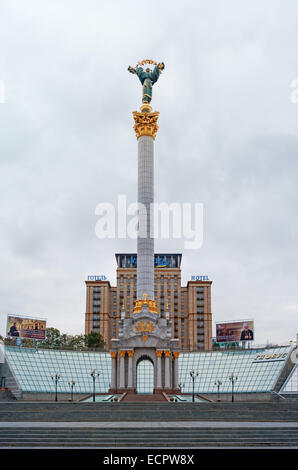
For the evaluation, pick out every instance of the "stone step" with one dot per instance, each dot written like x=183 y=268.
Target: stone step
x=86 y=437
x=140 y=411
x=145 y=416
x=287 y=405
x=82 y=440
x=147 y=431
x=157 y=437
x=277 y=406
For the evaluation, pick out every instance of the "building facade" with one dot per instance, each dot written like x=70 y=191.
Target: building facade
x=189 y=306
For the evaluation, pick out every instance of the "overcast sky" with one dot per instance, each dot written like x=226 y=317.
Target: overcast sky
x=228 y=138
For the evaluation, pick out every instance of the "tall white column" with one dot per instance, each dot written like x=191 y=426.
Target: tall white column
x=176 y=372
x=114 y=370
x=158 y=369
x=167 y=369
x=122 y=370
x=145 y=242
x=130 y=369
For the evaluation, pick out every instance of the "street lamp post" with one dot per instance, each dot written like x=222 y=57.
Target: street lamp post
x=233 y=379
x=218 y=383
x=94 y=374
x=71 y=383
x=193 y=375
x=56 y=378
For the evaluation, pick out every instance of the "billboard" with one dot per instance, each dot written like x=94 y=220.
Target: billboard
x=235 y=331
x=161 y=260
x=25 y=327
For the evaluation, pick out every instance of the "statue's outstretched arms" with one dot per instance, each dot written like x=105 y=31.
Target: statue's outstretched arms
x=131 y=69
x=155 y=74
x=141 y=74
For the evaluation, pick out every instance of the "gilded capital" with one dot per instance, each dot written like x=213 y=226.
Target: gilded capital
x=145 y=124
x=158 y=353
x=176 y=354
x=122 y=353
x=113 y=354
x=167 y=353
x=130 y=353
x=150 y=303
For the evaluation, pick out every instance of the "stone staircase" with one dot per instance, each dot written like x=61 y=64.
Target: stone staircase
x=150 y=411
x=148 y=424
x=177 y=437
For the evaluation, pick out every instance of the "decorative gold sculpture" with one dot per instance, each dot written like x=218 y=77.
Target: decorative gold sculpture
x=145 y=327
x=113 y=354
x=150 y=303
x=145 y=124
x=146 y=61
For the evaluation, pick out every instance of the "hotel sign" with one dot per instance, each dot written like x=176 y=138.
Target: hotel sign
x=270 y=357
x=199 y=278
x=97 y=278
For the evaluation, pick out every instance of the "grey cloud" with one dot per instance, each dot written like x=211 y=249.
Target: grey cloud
x=227 y=138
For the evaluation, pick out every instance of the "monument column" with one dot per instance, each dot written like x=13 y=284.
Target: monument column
x=167 y=369
x=145 y=242
x=114 y=370
x=122 y=369
x=176 y=373
x=158 y=369
x=146 y=128
x=130 y=369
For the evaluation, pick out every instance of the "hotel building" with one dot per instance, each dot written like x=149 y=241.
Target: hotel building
x=189 y=306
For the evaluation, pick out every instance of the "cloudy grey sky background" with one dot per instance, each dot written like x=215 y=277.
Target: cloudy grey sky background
x=227 y=138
